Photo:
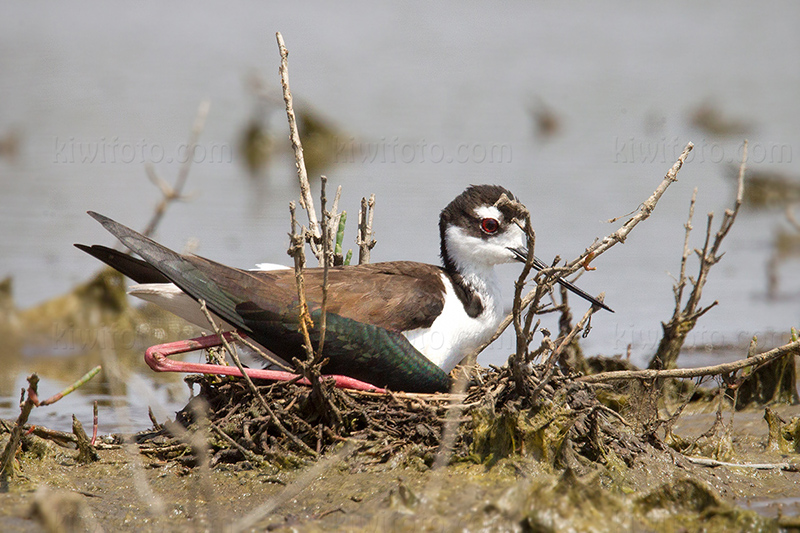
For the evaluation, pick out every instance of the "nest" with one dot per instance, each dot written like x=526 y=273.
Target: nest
x=284 y=423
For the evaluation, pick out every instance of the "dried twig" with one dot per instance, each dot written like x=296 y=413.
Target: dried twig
x=320 y=238
x=549 y=367
x=599 y=247
x=311 y=368
x=684 y=320
x=232 y=352
x=31 y=400
x=10 y=450
x=86 y=451
x=364 y=238
x=715 y=370
x=306 y=201
x=645 y=210
x=523 y=333
x=250 y=384
x=169 y=193
x=296 y=251
x=266 y=356
x=61 y=438
x=327 y=254
x=250 y=456
x=336 y=229
x=704 y=461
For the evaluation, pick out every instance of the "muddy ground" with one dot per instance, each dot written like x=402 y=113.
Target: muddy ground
x=127 y=490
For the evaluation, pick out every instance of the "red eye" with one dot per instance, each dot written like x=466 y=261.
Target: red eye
x=490 y=225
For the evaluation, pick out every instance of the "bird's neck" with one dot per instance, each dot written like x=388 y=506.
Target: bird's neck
x=475 y=282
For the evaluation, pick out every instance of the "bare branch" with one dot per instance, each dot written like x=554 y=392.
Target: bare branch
x=593 y=251
x=9 y=452
x=551 y=361
x=715 y=370
x=311 y=367
x=364 y=238
x=683 y=320
x=645 y=210
x=327 y=253
x=306 y=201
x=704 y=461
x=296 y=247
x=681 y=282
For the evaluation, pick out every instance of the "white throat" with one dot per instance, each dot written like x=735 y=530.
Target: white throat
x=474 y=262
x=454 y=334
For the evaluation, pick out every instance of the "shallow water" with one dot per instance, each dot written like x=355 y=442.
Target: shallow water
x=430 y=99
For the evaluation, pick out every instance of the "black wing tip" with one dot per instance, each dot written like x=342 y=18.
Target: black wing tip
x=93 y=249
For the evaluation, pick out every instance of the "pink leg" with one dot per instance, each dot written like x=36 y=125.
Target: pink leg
x=157 y=358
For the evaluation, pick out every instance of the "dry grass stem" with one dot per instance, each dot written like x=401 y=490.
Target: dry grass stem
x=451 y=423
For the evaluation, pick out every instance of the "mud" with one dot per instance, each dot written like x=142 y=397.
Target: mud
x=660 y=491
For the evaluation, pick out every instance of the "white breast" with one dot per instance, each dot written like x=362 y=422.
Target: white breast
x=454 y=334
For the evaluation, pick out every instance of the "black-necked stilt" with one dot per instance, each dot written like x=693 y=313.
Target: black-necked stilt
x=400 y=324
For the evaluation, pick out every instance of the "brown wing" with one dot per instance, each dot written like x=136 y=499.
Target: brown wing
x=397 y=296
